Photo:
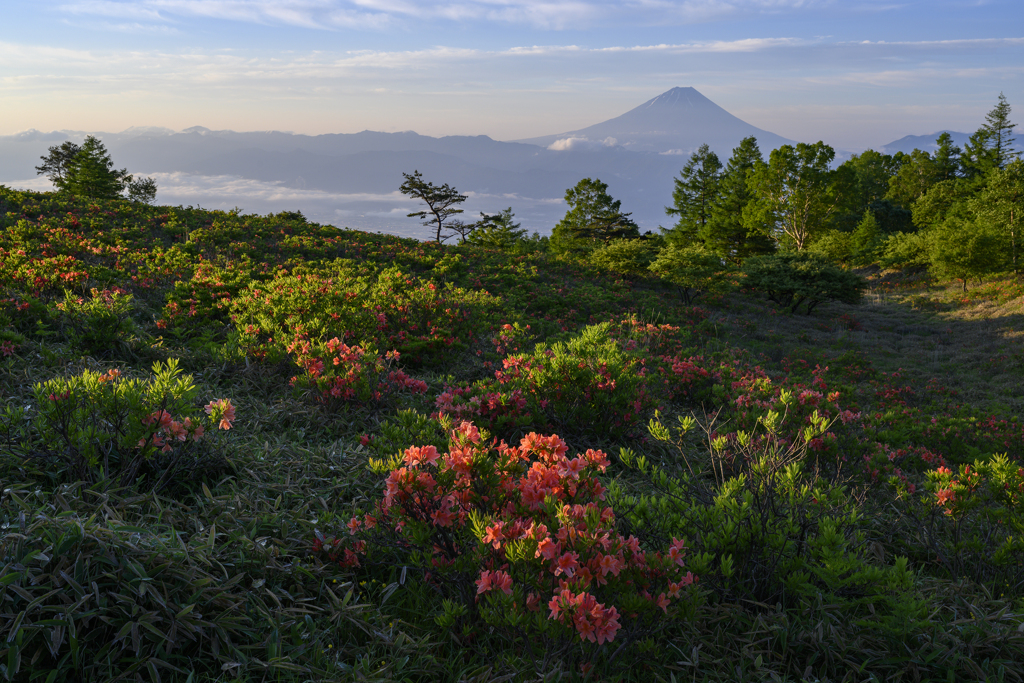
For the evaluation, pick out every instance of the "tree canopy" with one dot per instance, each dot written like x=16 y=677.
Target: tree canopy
x=795 y=193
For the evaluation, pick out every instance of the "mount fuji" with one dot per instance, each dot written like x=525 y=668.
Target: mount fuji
x=676 y=122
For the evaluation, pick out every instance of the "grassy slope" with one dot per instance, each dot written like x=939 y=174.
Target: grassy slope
x=274 y=611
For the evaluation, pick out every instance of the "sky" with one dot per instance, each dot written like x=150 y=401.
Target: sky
x=854 y=73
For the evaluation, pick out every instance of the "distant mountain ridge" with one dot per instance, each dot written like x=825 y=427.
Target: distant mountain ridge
x=352 y=179
x=925 y=143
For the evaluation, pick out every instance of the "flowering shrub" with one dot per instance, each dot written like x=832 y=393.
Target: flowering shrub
x=590 y=383
x=22 y=313
x=982 y=500
x=99 y=323
x=422 y=320
x=106 y=427
x=338 y=373
x=527 y=528
x=205 y=297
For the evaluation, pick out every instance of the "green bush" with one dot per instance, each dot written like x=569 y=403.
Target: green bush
x=833 y=245
x=107 y=428
x=422 y=320
x=763 y=521
x=904 y=250
x=627 y=257
x=800 y=279
x=588 y=385
x=100 y=324
x=693 y=270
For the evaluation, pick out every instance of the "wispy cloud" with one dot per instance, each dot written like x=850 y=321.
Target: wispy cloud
x=546 y=14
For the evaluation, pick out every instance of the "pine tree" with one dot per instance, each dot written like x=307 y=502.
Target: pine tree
x=979 y=156
x=725 y=233
x=696 y=191
x=440 y=201
x=1000 y=130
x=946 y=161
x=592 y=220
x=91 y=172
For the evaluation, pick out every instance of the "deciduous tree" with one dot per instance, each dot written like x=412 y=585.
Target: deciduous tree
x=1001 y=205
x=795 y=193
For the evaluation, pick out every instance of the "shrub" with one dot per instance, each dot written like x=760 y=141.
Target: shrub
x=336 y=373
x=589 y=384
x=627 y=257
x=99 y=324
x=796 y=279
x=518 y=537
x=693 y=270
x=764 y=524
x=904 y=250
x=833 y=245
x=423 y=321
x=973 y=517
x=23 y=313
x=107 y=428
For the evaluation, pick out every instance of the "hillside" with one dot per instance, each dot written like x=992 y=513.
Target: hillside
x=247 y=448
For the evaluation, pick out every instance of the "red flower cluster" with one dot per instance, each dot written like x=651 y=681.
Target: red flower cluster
x=547 y=531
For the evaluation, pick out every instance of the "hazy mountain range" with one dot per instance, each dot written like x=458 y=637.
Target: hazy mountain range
x=352 y=179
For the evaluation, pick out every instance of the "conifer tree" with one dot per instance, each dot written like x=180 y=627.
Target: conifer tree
x=696 y=191
x=441 y=201
x=946 y=161
x=979 y=157
x=593 y=219
x=725 y=233
x=91 y=172
x=1000 y=130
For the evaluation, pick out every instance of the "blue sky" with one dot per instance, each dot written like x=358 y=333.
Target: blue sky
x=855 y=73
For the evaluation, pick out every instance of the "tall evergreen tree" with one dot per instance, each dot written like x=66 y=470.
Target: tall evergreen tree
x=725 y=233
x=593 y=219
x=997 y=123
x=695 y=193
x=91 y=172
x=946 y=160
x=979 y=156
